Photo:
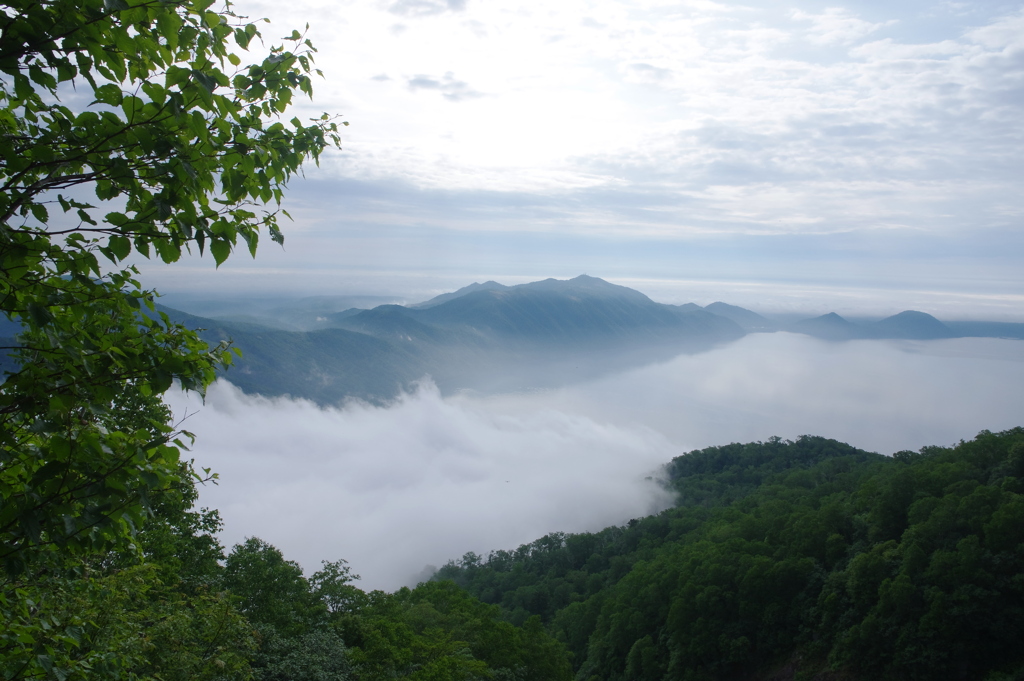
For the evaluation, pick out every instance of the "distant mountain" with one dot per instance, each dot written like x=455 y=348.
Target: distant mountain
x=9 y=327
x=907 y=325
x=829 y=327
x=308 y=313
x=749 y=321
x=344 y=314
x=910 y=324
x=472 y=288
x=585 y=310
x=490 y=337
x=325 y=366
x=8 y=330
x=395 y=323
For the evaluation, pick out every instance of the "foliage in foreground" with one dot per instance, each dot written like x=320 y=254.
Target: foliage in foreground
x=188 y=612
x=125 y=125
x=178 y=139
x=156 y=613
x=325 y=628
x=793 y=558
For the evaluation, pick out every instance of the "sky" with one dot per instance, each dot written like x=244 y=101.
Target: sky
x=395 y=488
x=864 y=157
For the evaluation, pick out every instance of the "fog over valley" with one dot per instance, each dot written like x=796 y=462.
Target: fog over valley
x=425 y=478
x=422 y=481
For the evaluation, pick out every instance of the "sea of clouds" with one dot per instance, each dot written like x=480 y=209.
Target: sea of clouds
x=395 y=488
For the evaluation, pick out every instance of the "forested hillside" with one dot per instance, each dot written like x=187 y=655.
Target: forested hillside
x=806 y=559
x=782 y=560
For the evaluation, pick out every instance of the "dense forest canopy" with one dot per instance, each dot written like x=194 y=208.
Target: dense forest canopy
x=791 y=560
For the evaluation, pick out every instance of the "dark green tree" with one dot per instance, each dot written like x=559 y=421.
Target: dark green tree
x=271 y=590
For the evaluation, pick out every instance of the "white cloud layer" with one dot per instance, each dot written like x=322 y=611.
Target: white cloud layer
x=739 y=118
x=420 y=482
x=881 y=396
x=427 y=479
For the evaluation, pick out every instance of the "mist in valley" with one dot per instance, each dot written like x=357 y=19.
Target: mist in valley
x=426 y=478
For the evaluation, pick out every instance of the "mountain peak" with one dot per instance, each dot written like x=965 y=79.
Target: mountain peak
x=828 y=327
x=911 y=324
x=747 y=319
x=465 y=290
x=585 y=284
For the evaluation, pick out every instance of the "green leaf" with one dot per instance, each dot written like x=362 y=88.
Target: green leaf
x=206 y=81
x=39 y=213
x=108 y=94
x=220 y=249
x=160 y=381
x=119 y=246
x=117 y=219
x=176 y=75
x=39 y=315
x=42 y=77
x=276 y=236
x=45 y=662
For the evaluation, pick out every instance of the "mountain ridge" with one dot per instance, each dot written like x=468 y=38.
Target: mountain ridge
x=492 y=337
x=489 y=337
x=906 y=325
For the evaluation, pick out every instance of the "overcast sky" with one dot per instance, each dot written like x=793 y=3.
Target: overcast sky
x=860 y=156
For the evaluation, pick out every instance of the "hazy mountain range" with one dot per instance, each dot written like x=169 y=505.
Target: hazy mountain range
x=490 y=337
x=485 y=337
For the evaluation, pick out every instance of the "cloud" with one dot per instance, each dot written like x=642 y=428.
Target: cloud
x=671 y=106
x=623 y=102
x=888 y=49
x=426 y=479
x=837 y=25
x=644 y=71
x=420 y=482
x=1005 y=32
x=451 y=89
x=419 y=8
x=882 y=396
